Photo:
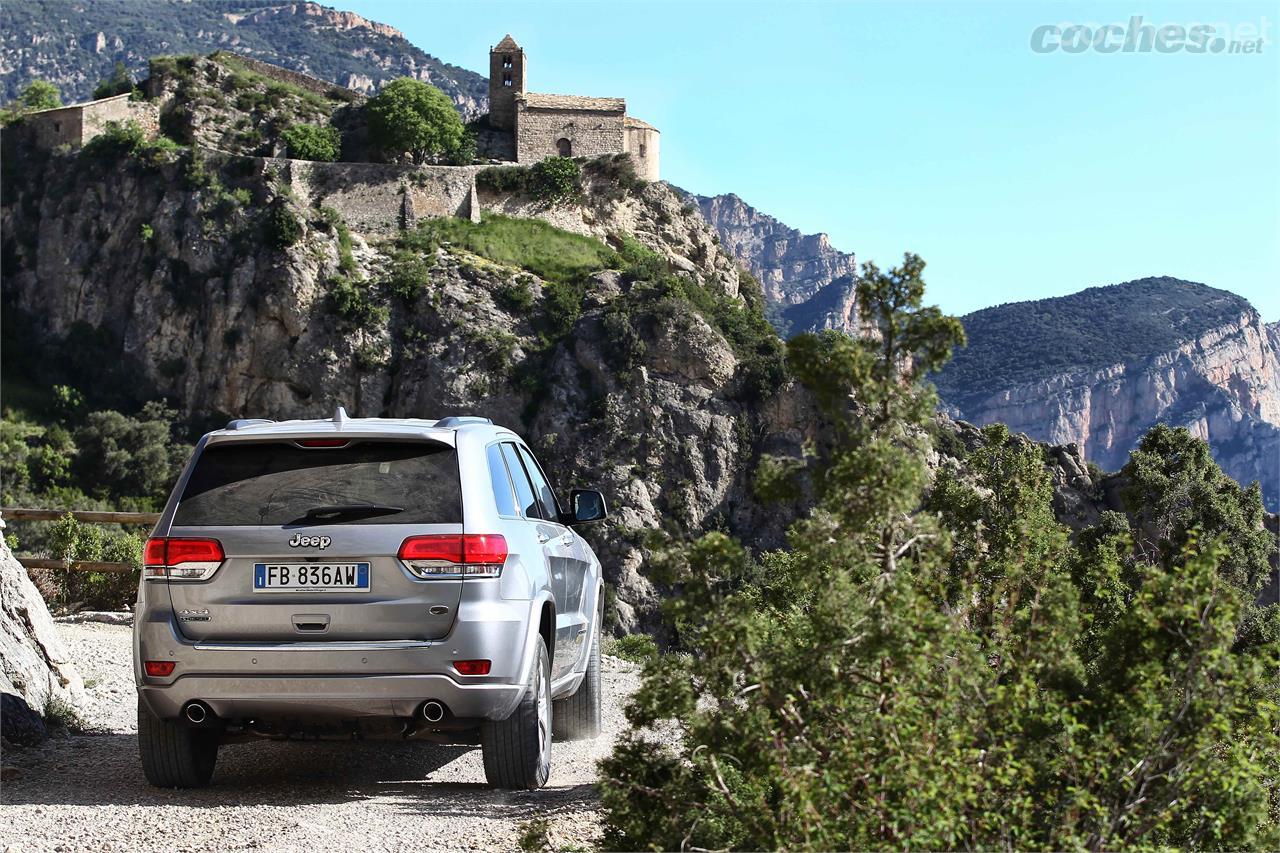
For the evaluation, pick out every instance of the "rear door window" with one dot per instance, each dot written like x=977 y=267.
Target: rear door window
x=547 y=504
x=501 y=482
x=279 y=483
x=524 y=489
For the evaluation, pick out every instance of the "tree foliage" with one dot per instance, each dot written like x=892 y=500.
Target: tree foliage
x=409 y=116
x=38 y=95
x=944 y=668
x=313 y=142
x=120 y=82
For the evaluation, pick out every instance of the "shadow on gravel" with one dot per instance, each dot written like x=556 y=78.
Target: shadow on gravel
x=103 y=769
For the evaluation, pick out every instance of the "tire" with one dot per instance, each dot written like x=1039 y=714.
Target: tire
x=577 y=717
x=175 y=755
x=517 y=750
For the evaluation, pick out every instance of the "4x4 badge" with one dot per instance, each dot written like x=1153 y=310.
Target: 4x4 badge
x=300 y=541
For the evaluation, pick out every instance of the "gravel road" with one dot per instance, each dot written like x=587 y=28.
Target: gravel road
x=87 y=791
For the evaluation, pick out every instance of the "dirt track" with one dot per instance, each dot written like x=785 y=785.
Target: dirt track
x=87 y=791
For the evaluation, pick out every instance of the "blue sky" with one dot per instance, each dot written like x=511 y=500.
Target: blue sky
x=934 y=128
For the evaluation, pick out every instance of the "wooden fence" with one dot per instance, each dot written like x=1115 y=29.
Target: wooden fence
x=14 y=513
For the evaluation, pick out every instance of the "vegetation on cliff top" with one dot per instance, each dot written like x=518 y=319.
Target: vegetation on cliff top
x=1098 y=327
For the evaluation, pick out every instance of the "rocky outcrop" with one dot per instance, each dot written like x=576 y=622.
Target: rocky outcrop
x=1222 y=382
x=36 y=673
x=808 y=284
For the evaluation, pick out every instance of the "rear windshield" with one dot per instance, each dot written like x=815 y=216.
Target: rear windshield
x=279 y=483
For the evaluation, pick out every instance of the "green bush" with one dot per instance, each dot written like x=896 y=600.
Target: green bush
x=555 y=179
x=408 y=115
x=352 y=300
x=516 y=295
x=127 y=139
x=283 y=226
x=118 y=83
x=618 y=170
x=312 y=142
x=637 y=648
x=502 y=179
x=409 y=274
x=72 y=541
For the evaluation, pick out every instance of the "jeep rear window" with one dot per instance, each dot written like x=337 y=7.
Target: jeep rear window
x=279 y=483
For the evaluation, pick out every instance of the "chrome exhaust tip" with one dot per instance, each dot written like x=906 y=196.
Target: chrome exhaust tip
x=196 y=712
x=432 y=711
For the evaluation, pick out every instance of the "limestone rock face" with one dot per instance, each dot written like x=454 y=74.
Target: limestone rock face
x=808 y=283
x=1223 y=385
x=34 y=665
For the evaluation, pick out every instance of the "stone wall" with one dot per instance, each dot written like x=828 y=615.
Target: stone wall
x=77 y=124
x=302 y=81
x=590 y=132
x=379 y=199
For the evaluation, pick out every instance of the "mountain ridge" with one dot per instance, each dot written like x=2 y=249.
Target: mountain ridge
x=1100 y=367
x=74 y=45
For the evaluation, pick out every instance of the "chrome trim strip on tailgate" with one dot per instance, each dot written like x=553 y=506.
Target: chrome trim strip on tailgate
x=336 y=646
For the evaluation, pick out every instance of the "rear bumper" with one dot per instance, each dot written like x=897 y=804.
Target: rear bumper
x=339 y=697
x=342 y=680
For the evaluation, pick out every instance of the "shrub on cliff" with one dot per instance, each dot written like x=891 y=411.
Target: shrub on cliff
x=313 y=142
x=39 y=95
x=409 y=116
x=119 y=83
x=553 y=180
x=283 y=226
x=929 y=679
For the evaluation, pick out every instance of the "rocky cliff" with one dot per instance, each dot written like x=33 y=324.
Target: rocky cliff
x=140 y=282
x=75 y=44
x=1100 y=368
x=808 y=284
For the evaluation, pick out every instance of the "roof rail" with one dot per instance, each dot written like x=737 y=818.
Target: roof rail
x=455 y=421
x=241 y=423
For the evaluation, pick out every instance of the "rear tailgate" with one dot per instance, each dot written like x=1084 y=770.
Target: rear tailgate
x=334 y=515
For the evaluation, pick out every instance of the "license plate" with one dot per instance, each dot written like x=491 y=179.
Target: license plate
x=311 y=577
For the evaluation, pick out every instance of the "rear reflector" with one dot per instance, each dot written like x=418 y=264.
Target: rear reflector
x=323 y=442
x=455 y=554
x=472 y=667
x=181 y=559
x=159 y=668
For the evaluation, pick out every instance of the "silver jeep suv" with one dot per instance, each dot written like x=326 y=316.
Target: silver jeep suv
x=365 y=578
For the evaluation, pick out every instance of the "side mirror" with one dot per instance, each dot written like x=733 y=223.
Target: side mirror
x=588 y=505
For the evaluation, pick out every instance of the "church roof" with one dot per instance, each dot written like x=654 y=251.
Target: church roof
x=632 y=121
x=507 y=43
x=538 y=101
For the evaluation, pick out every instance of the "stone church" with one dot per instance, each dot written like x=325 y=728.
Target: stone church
x=566 y=125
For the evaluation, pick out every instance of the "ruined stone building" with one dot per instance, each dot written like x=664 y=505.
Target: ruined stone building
x=566 y=125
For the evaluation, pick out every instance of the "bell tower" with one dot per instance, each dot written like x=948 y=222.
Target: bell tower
x=506 y=83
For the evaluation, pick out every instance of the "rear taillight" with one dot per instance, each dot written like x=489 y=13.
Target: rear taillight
x=323 y=442
x=181 y=559
x=159 y=668
x=472 y=667
x=455 y=555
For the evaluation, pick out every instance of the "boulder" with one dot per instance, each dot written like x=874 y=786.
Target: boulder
x=35 y=668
